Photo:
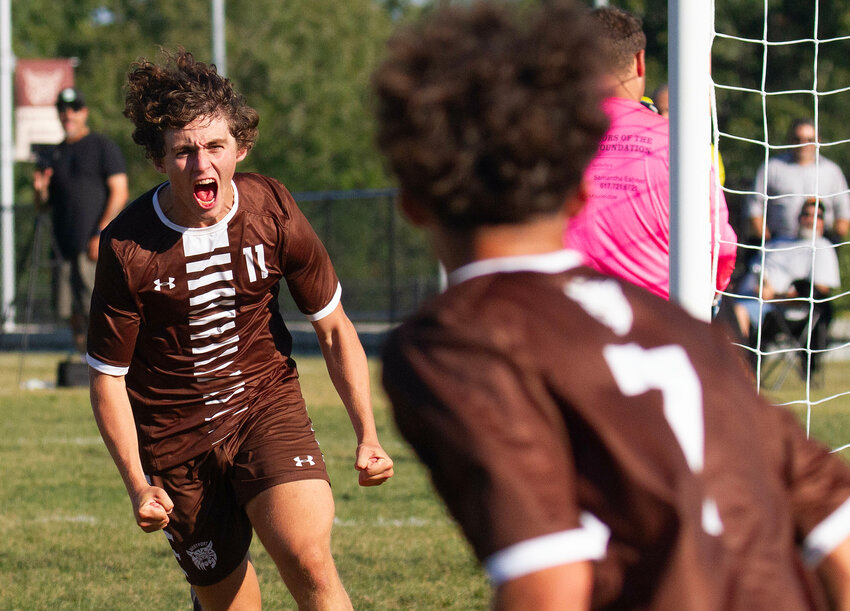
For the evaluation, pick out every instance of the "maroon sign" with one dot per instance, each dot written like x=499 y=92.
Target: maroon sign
x=39 y=81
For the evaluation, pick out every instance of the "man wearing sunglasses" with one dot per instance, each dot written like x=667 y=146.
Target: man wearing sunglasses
x=783 y=184
x=84 y=184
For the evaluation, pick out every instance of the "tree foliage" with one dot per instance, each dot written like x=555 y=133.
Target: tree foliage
x=304 y=65
x=748 y=58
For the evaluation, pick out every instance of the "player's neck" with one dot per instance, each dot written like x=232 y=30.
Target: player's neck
x=540 y=236
x=629 y=85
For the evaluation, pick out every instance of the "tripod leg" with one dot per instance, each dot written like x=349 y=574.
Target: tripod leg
x=35 y=260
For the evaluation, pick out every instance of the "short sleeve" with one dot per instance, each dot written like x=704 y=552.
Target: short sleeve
x=500 y=459
x=113 y=159
x=827 y=271
x=841 y=202
x=114 y=318
x=818 y=485
x=755 y=202
x=307 y=268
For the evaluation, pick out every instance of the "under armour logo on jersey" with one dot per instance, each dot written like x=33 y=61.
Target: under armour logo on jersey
x=300 y=462
x=158 y=284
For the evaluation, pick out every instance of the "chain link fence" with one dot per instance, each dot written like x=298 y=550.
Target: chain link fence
x=385 y=267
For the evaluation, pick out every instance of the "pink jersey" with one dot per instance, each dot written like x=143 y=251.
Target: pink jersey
x=624 y=229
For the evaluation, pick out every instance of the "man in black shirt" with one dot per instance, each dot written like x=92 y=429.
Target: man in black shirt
x=85 y=186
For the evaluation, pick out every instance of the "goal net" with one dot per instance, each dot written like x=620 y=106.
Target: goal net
x=779 y=98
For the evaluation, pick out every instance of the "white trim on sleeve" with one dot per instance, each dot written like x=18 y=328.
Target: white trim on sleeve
x=588 y=542
x=826 y=536
x=102 y=367
x=334 y=302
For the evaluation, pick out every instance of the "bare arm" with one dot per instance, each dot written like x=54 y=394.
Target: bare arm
x=115 y=202
x=40 y=184
x=834 y=571
x=114 y=417
x=840 y=227
x=561 y=588
x=349 y=372
x=756 y=227
x=767 y=291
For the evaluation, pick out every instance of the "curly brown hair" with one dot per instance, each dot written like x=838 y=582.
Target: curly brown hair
x=175 y=94
x=489 y=114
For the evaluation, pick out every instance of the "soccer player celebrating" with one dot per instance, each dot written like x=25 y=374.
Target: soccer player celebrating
x=192 y=383
x=597 y=445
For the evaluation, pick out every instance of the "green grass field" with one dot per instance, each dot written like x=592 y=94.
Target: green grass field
x=68 y=539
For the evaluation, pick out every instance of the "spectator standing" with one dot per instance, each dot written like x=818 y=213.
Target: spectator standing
x=85 y=187
x=597 y=445
x=624 y=229
x=790 y=179
x=192 y=383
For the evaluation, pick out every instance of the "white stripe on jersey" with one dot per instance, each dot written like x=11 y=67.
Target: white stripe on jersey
x=223 y=276
x=211 y=295
x=230 y=375
x=213 y=305
x=227 y=352
x=215 y=346
x=220 y=397
x=199 y=266
x=204 y=242
x=207 y=253
x=205 y=320
x=213 y=370
x=213 y=332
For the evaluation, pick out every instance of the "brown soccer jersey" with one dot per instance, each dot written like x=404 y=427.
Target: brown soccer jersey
x=567 y=416
x=190 y=315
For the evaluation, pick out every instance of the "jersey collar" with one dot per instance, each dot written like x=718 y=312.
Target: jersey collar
x=210 y=228
x=548 y=263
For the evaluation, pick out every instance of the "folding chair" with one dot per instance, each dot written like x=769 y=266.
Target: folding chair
x=785 y=340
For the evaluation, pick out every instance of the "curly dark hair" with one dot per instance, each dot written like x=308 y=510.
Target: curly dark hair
x=622 y=36
x=178 y=92
x=490 y=114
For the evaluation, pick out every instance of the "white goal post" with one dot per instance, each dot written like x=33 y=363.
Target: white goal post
x=691 y=283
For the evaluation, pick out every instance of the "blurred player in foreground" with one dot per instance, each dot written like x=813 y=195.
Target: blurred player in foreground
x=192 y=383
x=596 y=444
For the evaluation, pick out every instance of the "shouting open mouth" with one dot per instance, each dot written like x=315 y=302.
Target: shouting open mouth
x=205 y=192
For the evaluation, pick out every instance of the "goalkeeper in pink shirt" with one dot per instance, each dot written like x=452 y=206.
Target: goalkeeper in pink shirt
x=624 y=229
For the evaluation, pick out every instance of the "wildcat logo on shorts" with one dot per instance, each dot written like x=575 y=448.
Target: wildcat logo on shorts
x=203 y=555
x=300 y=462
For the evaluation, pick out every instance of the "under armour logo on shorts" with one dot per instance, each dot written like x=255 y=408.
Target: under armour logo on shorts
x=300 y=462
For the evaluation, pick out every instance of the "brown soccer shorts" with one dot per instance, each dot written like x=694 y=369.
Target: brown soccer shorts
x=209 y=530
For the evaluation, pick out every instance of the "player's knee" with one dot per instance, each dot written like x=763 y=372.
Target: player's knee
x=312 y=564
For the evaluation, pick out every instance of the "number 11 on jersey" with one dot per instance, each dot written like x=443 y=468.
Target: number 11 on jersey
x=260 y=263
